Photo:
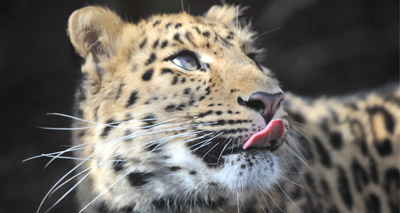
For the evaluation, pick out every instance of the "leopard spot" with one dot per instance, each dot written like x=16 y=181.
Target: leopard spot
x=110 y=124
x=372 y=203
x=175 y=168
x=147 y=75
x=335 y=138
x=132 y=99
x=323 y=153
x=360 y=176
x=344 y=188
x=392 y=188
x=139 y=178
x=119 y=164
x=143 y=43
x=151 y=59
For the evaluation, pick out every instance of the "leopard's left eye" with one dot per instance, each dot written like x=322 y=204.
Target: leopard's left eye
x=186 y=60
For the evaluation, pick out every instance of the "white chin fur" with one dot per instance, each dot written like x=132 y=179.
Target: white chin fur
x=256 y=170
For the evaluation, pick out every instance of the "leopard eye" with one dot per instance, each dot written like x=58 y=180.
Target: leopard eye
x=186 y=60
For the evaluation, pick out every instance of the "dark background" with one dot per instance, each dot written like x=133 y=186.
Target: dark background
x=315 y=47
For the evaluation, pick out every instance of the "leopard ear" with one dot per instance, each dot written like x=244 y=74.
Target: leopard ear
x=94 y=32
x=226 y=13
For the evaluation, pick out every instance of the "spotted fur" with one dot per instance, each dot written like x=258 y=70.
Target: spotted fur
x=159 y=138
x=352 y=152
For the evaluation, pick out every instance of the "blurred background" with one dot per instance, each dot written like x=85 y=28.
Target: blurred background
x=315 y=48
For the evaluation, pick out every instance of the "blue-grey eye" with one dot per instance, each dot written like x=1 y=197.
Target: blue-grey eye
x=186 y=60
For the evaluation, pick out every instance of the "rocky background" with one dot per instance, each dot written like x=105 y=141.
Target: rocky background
x=315 y=48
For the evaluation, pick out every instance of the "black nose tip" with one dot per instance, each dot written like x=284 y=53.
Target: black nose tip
x=264 y=103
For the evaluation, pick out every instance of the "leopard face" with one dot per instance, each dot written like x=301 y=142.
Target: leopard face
x=168 y=104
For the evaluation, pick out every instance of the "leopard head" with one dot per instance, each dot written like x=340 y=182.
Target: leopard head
x=176 y=111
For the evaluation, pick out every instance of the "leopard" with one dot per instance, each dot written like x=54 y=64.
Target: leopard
x=175 y=113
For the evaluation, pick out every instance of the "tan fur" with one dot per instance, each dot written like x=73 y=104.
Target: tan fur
x=371 y=127
x=129 y=82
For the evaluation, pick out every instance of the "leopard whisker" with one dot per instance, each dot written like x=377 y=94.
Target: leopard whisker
x=145 y=133
x=69 y=191
x=67 y=158
x=301 y=124
x=194 y=139
x=197 y=138
x=73 y=177
x=209 y=150
x=233 y=141
x=71 y=117
x=112 y=124
x=165 y=139
x=55 y=153
x=296 y=153
x=61 y=179
x=226 y=145
x=287 y=196
x=66 y=128
x=292 y=182
x=61 y=153
x=294 y=131
x=206 y=142
x=266 y=203
x=293 y=172
x=68 y=173
x=109 y=187
x=149 y=142
x=237 y=202
x=115 y=182
x=265 y=191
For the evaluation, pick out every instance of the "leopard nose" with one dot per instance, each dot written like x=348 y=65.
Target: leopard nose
x=264 y=103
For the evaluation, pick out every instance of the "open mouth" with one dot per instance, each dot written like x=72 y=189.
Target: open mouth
x=273 y=131
x=268 y=139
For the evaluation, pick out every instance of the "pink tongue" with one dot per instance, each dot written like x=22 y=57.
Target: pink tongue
x=272 y=131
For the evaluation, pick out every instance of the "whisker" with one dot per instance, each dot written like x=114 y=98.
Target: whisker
x=71 y=117
x=283 y=191
x=61 y=179
x=292 y=182
x=69 y=191
x=234 y=138
x=119 y=179
x=237 y=202
x=219 y=157
x=105 y=190
x=208 y=141
x=298 y=154
x=112 y=124
x=54 y=153
x=164 y=140
x=266 y=203
x=72 y=158
x=200 y=137
x=73 y=177
x=59 y=154
x=265 y=32
x=66 y=128
x=270 y=197
x=209 y=150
